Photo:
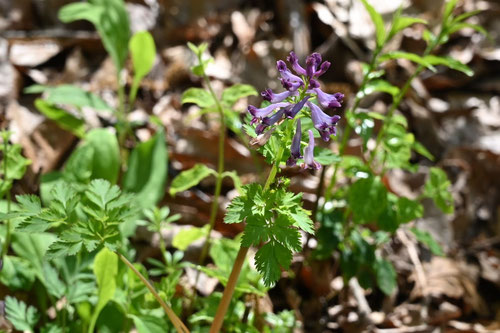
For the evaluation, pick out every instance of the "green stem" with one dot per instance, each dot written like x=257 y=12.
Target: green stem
x=399 y=98
x=220 y=171
x=240 y=257
x=6 y=243
x=178 y=324
x=348 y=128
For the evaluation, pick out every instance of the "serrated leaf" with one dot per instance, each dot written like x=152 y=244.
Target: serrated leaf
x=243 y=206
x=101 y=192
x=449 y=62
x=302 y=220
x=386 y=276
x=64 y=119
x=235 y=92
x=426 y=238
x=20 y=315
x=146 y=174
x=149 y=324
x=256 y=231
x=378 y=21
x=325 y=156
x=408 y=56
x=269 y=259
x=198 y=96
x=189 y=178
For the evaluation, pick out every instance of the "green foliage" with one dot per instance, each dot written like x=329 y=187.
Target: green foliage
x=87 y=219
x=386 y=275
x=437 y=188
x=235 y=92
x=64 y=119
x=378 y=21
x=367 y=199
x=110 y=20
x=426 y=238
x=23 y=317
x=67 y=94
x=408 y=56
x=274 y=218
x=13 y=164
x=146 y=174
x=143 y=51
x=105 y=270
x=189 y=178
x=186 y=237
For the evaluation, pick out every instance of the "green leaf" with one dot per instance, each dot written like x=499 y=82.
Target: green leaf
x=243 y=206
x=419 y=148
x=101 y=192
x=378 y=21
x=105 y=270
x=198 y=96
x=449 y=62
x=237 y=91
x=386 y=276
x=426 y=238
x=325 y=156
x=408 y=56
x=367 y=198
x=437 y=188
x=378 y=86
x=149 y=324
x=408 y=210
x=111 y=21
x=20 y=315
x=189 y=178
x=466 y=15
x=186 y=237
x=143 y=51
x=61 y=117
x=403 y=22
x=67 y=94
x=268 y=260
x=17 y=273
x=450 y=5
x=363 y=125
x=146 y=174
x=105 y=157
x=236 y=179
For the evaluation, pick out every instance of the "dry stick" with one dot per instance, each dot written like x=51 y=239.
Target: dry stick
x=178 y=324
x=240 y=258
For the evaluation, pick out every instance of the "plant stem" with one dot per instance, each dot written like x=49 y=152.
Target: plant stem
x=6 y=243
x=178 y=324
x=348 y=128
x=240 y=257
x=220 y=171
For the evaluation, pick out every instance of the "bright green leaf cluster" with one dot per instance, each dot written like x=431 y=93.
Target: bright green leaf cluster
x=273 y=218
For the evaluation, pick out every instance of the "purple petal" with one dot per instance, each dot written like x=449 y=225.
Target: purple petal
x=292 y=112
x=327 y=100
x=295 y=148
x=262 y=112
x=312 y=62
x=323 y=68
x=291 y=85
x=324 y=123
x=268 y=95
x=309 y=161
x=292 y=59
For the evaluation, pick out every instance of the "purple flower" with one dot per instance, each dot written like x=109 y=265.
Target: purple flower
x=312 y=62
x=291 y=112
x=292 y=59
x=309 y=161
x=322 y=69
x=285 y=73
x=263 y=112
x=291 y=85
x=295 y=148
x=328 y=100
x=323 y=122
x=268 y=95
x=269 y=121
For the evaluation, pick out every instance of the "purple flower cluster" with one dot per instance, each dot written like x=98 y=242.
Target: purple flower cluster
x=300 y=87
